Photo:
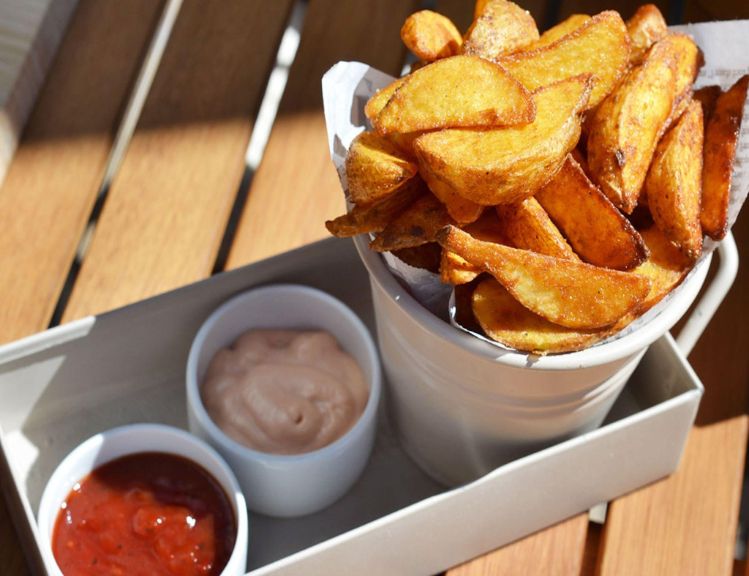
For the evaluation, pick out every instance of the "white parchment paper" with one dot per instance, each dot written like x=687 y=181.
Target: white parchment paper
x=348 y=85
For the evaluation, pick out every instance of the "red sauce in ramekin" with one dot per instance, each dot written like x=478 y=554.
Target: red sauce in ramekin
x=149 y=513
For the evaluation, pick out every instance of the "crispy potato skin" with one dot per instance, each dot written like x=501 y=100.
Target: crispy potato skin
x=380 y=98
x=460 y=209
x=462 y=91
x=506 y=321
x=674 y=182
x=645 y=28
x=599 y=47
x=492 y=167
x=499 y=27
x=626 y=127
x=721 y=138
x=427 y=256
x=456 y=270
x=586 y=217
x=565 y=292
x=431 y=36
x=708 y=97
x=688 y=61
x=375 y=168
x=416 y=225
x=528 y=227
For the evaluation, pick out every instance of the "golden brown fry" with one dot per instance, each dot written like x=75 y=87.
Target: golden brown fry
x=374 y=218
x=560 y=30
x=674 y=182
x=506 y=321
x=375 y=168
x=645 y=28
x=721 y=137
x=461 y=210
x=595 y=229
x=500 y=166
x=463 y=310
x=528 y=227
x=426 y=256
x=380 y=98
x=689 y=60
x=565 y=292
x=416 y=225
x=627 y=126
x=599 y=47
x=707 y=96
x=456 y=270
x=499 y=27
x=431 y=36
x=666 y=267
x=462 y=91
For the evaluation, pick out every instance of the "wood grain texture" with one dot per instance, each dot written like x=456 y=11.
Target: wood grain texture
x=557 y=551
x=53 y=180
x=168 y=204
x=296 y=188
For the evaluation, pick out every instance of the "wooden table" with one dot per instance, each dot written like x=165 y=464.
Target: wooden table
x=182 y=205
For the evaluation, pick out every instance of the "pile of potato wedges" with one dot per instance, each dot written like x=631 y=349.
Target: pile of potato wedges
x=562 y=181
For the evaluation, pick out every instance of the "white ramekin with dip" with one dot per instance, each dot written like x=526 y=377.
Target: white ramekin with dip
x=284 y=381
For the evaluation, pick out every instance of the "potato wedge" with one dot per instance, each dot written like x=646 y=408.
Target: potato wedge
x=689 y=59
x=376 y=217
x=460 y=209
x=380 y=98
x=456 y=270
x=626 y=127
x=462 y=91
x=528 y=227
x=427 y=256
x=375 y=168
x=559 y=31
x=595 y=229
x=506 y=321
x=674 y=182
x=431 y=36
x=599 y=47
x=416 y=225
x=499 y=27
x=666 y=266
x=565 y=292
x=501 y=166
x=707 y=96
x=645 y=28
x=721 y=138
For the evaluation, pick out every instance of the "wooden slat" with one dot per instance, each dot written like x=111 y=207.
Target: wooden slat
x=296 y=188
x=53 y=180
x=168 y=205
x=687 y=523
x=541 y=553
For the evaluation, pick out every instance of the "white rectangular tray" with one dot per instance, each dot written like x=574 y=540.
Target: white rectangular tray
x=64 y=385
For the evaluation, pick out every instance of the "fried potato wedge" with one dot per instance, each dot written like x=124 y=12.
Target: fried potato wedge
x=462 y=91
x=427 y=256
x=456 y=270
x=528 y=227
x=380 y=98
x=674 y=182
x=565 y=292
x=416 y=225
x=501 y=166
x=560 y=30
x=506 y=321
x=374 y=218
x=499 y=27
x=599 y=47
x=721 y=138
x=460 y=209
x=645 y=28
x=689 y=59
x=375 y=168
x=626 y=127
x=666 y=266
x=595 y=229
x=431 y=36
x=707 y=96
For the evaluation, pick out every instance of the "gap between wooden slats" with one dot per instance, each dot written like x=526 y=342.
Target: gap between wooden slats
x=296 y=188
x=56 y=173
x=168 y=203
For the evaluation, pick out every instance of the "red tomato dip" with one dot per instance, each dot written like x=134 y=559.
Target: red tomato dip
x=147 y=513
